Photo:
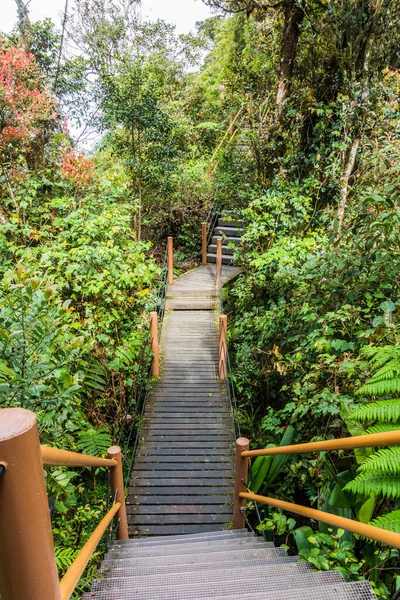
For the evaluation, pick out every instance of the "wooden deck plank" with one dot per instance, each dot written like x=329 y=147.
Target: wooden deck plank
x=182 y=481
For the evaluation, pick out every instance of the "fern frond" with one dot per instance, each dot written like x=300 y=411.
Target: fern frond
x=94 y=441
x=383 y=462
x=380 y=387
x=64 y=557
x=382 y=428
x=390 y=521
x=59 y=482
x=380 y=356
x=366 y=484
x=383 y=410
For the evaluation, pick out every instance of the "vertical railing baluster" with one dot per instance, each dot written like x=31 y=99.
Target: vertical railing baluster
x=118 y=492
x=241 y=480
x=218 y=263
x=154 y=343
x=204 y=243
x=170 y=261
x=222 y=347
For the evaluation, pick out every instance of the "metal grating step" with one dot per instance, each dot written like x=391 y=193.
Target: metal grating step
x=200 y=562
x=201 y=575
x=226 y=584
x=183 y=548
x=179 y=539
x=359 y=590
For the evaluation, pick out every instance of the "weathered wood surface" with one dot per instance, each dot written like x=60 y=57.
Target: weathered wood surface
x=182 y=480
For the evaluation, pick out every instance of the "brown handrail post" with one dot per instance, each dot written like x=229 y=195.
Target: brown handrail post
x=218 y=263
x=154 y=343
x=28 y=568
x=222 y=346
x=170 y=261
x=118 y=492
x=241 y=479
x=204 y=243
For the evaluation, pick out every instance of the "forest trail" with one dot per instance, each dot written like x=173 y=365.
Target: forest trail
x=182 y=479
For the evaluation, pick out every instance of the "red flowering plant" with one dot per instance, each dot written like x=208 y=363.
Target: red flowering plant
x=24 y=104
x=77 y=169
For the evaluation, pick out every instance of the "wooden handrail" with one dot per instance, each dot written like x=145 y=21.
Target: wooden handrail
x=63 y=458
x=371 y=440
x=71 y=578
x=369 y=531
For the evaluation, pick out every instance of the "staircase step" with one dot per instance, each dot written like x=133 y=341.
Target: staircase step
x=358 y=590
x=222 y=584
x=181 y=292
x=212 y=249
x=183 y=548
x=252 y=556
x=230 y=222
x=189 y=303
x=167 y=578
x=118 y=568
x=226 y=240
x=226 y=259
x=157 y=530
x=228 y=231
x=231 y=534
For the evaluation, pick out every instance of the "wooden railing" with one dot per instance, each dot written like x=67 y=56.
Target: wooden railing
x=242 y=494
x=28 y=568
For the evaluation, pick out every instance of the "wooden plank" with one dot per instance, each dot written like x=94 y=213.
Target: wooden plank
x=178 y=500
x=156 y=421
x=192 y=518
x=177 y=509
x=192 y=444
x=190 y=465
x=185 y=490
x=143 y=530
x=171 y=482
x=179 y=454
x=199 y=477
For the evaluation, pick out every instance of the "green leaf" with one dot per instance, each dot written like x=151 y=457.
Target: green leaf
x=301 y=536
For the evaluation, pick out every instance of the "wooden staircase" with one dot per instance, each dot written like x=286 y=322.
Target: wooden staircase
x=230 y=229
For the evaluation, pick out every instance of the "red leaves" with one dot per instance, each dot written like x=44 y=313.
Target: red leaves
x=77 y=168
x=23 y=104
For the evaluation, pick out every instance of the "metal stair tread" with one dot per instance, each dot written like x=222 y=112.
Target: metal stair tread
x=228 y=582
x=190 y=547
x=359 y=590
x=247 y=571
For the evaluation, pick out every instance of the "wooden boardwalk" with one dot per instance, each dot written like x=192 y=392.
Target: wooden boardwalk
x=182 y=480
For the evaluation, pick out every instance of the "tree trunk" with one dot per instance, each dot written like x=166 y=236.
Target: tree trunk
x=293 y=16
x=24 y=24
x=344 y=183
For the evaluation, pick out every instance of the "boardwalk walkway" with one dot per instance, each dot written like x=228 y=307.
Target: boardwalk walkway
x=182 y=479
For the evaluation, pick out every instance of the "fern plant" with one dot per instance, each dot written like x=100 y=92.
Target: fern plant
x=94 y=441
x=378 y=474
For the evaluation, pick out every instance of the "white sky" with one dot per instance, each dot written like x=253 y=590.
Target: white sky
x=183 y=13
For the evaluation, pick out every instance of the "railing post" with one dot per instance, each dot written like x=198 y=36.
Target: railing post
x=204 y=243
x=218 y=263
x=28 y=568
x=222 y=347
x=241 y=479
x=154 y=343
x=170 y=261
x=118 y=492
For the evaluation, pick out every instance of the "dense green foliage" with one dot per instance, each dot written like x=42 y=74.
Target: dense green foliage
x=286 y=113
